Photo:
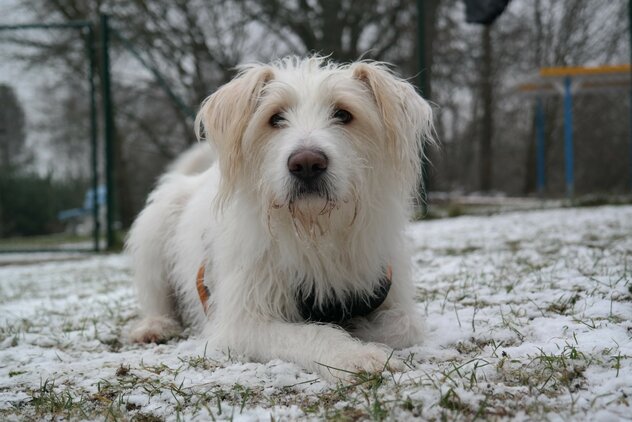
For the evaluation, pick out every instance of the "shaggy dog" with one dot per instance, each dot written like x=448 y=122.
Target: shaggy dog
x=291 y=245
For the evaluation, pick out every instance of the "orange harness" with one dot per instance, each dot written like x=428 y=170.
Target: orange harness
x=202 y=290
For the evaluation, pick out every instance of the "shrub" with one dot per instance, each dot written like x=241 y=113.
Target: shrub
x=29 y=202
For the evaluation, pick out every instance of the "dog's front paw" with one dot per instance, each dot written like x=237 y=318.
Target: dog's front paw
x=366 y=358
x=398 y=328
x=156 y=329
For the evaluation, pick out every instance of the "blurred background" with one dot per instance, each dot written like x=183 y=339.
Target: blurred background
x=482 y=73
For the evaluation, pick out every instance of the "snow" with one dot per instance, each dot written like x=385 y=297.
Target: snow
x=528 y=316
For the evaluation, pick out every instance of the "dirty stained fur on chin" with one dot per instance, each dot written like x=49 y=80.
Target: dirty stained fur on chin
x=293 y=212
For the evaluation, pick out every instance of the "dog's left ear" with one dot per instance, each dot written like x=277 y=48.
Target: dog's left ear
x=225 y=115
x=406 y=116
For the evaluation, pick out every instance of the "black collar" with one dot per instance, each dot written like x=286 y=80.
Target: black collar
x=335 y=311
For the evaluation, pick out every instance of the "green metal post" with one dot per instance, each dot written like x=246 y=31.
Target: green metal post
x=93 y=136
x=108 y=130
x=38 y=25
x=421 y=45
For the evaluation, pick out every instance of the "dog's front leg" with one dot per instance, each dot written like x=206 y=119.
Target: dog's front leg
x=397 y=323
x=321 y=348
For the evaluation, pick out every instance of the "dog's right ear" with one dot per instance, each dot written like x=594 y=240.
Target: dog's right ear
x=224 y=116
x=407 y=118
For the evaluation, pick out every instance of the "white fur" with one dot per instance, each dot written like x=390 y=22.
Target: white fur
x=195 y=160
x=260 y=244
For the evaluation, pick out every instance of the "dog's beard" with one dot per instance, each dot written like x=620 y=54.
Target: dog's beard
x=311 y=210
x=308 y=219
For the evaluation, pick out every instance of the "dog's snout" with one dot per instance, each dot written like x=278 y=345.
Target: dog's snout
x=307 y=164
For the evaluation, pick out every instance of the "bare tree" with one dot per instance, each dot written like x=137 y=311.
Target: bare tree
x=487 y=97
x=12 y=134
x=194 y=44
x=347 y=29
x=526 y=37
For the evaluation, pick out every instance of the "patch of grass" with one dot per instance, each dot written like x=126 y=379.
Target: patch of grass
x=16 y=373
x=596 y=200
x=563 y=305
x=15 y=330
x=201 y=363
x=546 y=373
x=47 y=241
x=48 y=400
x=460 y=251
x=114 y=343
x=513 y=245
x=455 y=210
x=146 y=417
x=122 y=371
x=511 y=322
x=450 y=400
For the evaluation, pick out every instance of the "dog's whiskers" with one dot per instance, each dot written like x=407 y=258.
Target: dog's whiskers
x=355 y=212
x=356 y=202
x=307 y=224
x=269 y=224
x=320 y=228
x=292 y=209
x=323 y=211
x=328 y=207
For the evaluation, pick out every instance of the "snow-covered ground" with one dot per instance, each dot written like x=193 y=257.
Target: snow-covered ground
x=528 y=317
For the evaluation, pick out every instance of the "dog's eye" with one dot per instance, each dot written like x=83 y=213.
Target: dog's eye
x=343 y=116
x=276 y=120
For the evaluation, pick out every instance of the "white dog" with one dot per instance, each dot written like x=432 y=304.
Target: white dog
x=291 y=244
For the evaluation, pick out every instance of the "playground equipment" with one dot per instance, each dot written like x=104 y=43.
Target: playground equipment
x=567 y=82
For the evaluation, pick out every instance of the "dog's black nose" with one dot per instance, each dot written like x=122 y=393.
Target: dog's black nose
x=307 y=164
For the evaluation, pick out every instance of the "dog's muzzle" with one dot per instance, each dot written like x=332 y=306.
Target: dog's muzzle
x=308 y=168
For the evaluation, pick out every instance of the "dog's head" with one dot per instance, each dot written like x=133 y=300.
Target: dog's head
x=311 y=135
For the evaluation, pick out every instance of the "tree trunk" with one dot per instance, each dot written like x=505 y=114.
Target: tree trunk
x=123 y=193
x=530 y=175
x=487 y=130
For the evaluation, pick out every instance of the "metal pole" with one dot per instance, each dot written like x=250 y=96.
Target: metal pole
x=568 y=137
x=108 y=130
x=60 y=25
x=421 y=45
x=540 y=149
x=487 y=121
x=93 y=137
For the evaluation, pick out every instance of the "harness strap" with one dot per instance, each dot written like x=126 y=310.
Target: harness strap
x=202 y=290
x=332 y=310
